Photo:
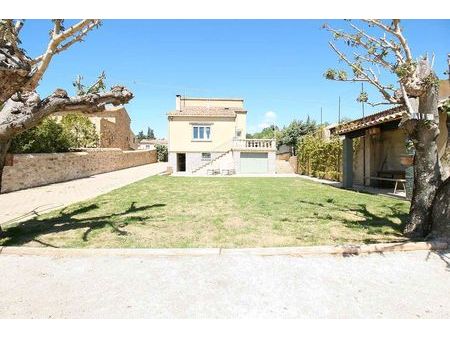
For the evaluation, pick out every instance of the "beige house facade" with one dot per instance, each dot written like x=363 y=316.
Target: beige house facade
x=207 y=135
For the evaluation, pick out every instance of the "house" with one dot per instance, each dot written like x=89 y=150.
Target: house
x=375 y=159
x=147 y=144
x=112 y=126
x=208 y=135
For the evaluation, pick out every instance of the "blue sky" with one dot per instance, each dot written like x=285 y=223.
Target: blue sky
x=275 y=65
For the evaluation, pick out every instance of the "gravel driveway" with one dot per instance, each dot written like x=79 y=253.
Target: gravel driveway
x=395 y=285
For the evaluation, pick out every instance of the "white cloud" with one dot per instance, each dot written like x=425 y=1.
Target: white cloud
x=267 y=120
x=270 y=116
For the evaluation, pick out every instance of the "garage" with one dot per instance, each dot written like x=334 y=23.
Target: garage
x=254 y=163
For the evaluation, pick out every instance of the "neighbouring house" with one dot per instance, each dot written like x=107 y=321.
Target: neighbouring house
x=112 y=126
x=147 y=144
x=207 y=135
x=375 y=159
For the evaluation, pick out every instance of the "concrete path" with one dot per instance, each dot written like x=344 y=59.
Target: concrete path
x=395 y=285
x=23 y=204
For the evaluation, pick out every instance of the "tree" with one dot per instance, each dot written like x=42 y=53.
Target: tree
x=81 y=130
x=266 y=133
x=21 y=107
x=295 y=130
x=48 y=136
x=150 y=134
x=416 y=90
x=140 y=136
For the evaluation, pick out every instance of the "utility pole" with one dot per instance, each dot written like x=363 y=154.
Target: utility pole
x=362 y=102
x=339 y=111
x=364 y=139
x=320 y=116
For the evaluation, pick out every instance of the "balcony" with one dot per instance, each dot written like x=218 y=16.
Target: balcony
x=255 y=144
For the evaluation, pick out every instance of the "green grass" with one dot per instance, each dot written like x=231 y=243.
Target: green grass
x=177 y=212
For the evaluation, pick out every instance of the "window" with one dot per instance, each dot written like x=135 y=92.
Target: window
x=206 y=156
x=238 y=133
x=201 y=133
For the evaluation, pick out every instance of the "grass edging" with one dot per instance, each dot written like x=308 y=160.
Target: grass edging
x=343 y=250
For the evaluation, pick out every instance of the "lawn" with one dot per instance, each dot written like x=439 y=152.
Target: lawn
x=181 y=212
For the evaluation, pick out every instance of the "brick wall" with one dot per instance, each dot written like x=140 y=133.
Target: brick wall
x=32 y=170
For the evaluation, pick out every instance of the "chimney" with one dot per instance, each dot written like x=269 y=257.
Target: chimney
x=178 y=102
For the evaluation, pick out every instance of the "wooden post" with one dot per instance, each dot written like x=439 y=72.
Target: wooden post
x=347 y=172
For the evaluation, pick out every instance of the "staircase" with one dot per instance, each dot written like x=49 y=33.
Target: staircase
x=203 y=168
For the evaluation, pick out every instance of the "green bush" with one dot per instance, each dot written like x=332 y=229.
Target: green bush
x=319 y=157
x=80 y=130
x=49 y=136
x=162 y=152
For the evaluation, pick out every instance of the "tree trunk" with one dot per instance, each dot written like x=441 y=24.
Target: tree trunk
x=427 y=169
x=4 y=146
x=440 y=227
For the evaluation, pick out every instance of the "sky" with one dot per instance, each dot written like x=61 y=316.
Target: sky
x=276 y=66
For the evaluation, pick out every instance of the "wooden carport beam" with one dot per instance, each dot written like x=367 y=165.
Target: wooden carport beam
x=347 y=170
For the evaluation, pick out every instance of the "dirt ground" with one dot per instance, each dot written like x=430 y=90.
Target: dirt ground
x=395 y=285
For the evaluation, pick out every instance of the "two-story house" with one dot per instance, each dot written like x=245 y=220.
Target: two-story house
x=208 y=134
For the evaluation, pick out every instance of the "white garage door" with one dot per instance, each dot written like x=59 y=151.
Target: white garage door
x=254 y=163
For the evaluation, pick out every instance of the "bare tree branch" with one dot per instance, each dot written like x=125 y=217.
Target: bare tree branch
x=23 y=111
x=54 y=47
x=395 y=31
x=364 y=75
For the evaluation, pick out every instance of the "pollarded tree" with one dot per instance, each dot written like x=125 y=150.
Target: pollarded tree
x=417 y=90
x=21 y=107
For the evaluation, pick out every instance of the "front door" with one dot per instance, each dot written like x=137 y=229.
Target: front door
x=181 y=162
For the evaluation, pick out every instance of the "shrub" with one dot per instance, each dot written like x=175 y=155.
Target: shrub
x=320 y=158
x=47 y=137
x=162 y=152
x=81 y=130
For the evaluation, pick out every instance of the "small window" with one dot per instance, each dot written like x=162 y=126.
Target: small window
x=201 y=133
x=238 y=133
x=206 y=156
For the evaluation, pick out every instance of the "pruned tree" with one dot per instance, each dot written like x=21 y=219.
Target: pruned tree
x=416 y=89
x=21 y=107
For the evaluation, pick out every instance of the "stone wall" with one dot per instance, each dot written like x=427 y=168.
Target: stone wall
x=293 y=161
x=32 y=170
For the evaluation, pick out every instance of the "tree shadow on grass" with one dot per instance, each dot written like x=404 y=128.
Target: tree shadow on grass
x=28 y=231
x=370 y=221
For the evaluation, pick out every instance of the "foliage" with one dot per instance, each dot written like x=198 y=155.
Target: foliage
x=95 y=88
x=162 y=152
x=81 y=130
x=296 y=129
x=47 y=137
x=140 y=136
x=363 y=97
x=150 y=134
x=319 y=157
x=74 y=131
x=266 y=133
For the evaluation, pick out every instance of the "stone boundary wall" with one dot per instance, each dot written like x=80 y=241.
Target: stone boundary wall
x=32 y=170
x=294 y=163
